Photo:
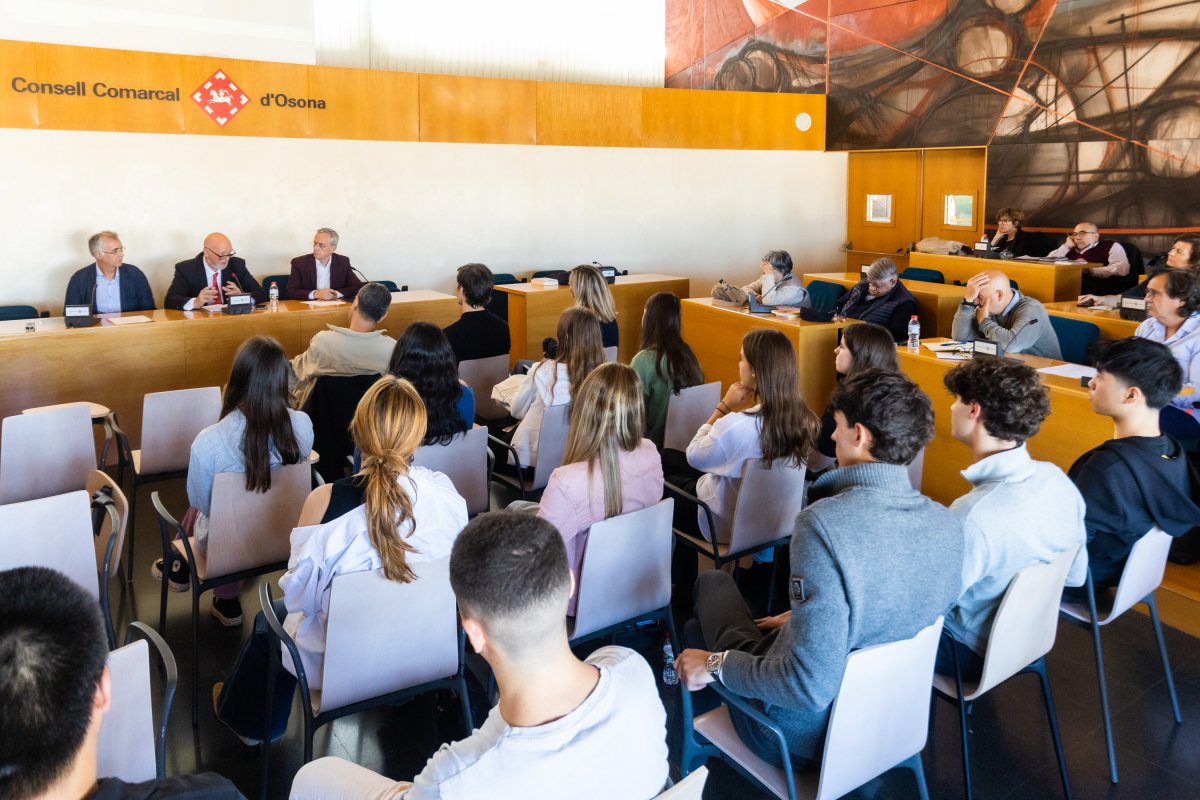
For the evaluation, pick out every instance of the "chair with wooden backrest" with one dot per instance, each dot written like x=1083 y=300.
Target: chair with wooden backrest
x=102 y=416
x=1022 y=633
x=610 y=354
x=1142 y=574
x=690 y=788
x=464 y=462
x=482 y=374
x=916 y=469
x=131 y=746
x=879 y=720
x=385 y=641
x=170 y=423
x=687 y=411
x=249 y=534
x=552 y=442
x=46 y=454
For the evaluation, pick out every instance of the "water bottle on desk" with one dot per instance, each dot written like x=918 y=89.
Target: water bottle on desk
x=274 y=295
x=914 y=334
x=669 y=676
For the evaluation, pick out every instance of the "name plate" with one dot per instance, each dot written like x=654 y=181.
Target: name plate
x=865 y=269
x=79 y=316
x=1133 y=303
x=982 y=348
x=78 y=311
x=240 y=304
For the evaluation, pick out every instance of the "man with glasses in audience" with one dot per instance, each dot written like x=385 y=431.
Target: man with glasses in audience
x=993 y=311
x=109 y=285
x=325 y=274
x=1085 y=244
x=212 y=276
x=881 y=298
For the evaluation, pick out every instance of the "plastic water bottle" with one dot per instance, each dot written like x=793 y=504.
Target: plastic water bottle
x=914 y=334
x=669 y=676
x=274 y=295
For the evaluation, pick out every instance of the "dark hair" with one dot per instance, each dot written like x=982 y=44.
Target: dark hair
x=893 y=408
x=1013 y=400
x=1148 y=365
x=258 y=387
x=1183 y=284
x=789 y=427
x=423 y=355
x=661 y=334
x=52 y=653
x=476 y=281
x=373 y=301
x=1194 y=240
x=780 y=261
x=871 y=347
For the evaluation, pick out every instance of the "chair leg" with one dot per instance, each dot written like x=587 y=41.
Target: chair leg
x=918 y=770
x=1104 y=710
x=195 y=656
x=1162 y=652
x=162 y=595
x=1039 y=668
x=309 y=733
x=131 y=532
x=466 y=705
x=264 y=766
x=963 y=711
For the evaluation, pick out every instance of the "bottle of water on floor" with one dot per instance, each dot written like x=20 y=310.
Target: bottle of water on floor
x=914 y=334
x=670 y=678
x=274 y=296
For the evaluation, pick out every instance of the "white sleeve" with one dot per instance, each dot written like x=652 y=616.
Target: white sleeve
x=526 y=393
x=1058 y=252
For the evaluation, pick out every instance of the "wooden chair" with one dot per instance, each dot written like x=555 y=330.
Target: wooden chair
x=46 y=454
x=464 y=462
x=687 y=411
x=132 y=746
x=482 y=374
x=102 y=416
x=610 y=354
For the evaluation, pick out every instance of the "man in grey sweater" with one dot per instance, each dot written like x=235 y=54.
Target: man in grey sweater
x=872 y=562
x=995 y=312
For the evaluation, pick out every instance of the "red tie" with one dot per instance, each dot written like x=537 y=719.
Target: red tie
x=216 y=286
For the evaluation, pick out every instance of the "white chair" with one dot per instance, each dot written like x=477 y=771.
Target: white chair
x=131 y=745
x=464 y=462
x=687 y=411
x=482 y=374
x=690 y=788
x=249 y=534
x=1022 y=633
x=170 y=423
x=46 y=454
x=552 y=442
x=102 y=416
x=110 y=512
x=879 y=720
x=385 y=641
x=1142 y=574
x=610 y=354
x=916 y=469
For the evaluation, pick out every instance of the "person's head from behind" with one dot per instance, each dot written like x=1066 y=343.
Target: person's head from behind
x=510 y=575
x=768 y=366
x=777 y=263
x=1002 y=397
x=607 y=418
x=1185 y=252
x=475 y=282
x=661 y=333
x=865 y=346
x=424 y=357
x=1173 y=296
x=258 y=388
x=882 y=276
x=580 y=346
x=372 y=303
x=387 y=427
x=1133 y=376
x=881 y=416
x=591 y=292
x=54 y=687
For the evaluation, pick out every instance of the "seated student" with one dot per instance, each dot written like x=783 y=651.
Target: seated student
x=424 y=358
x=360 y=349
x=872 y=562
x=211 y=277
x=55 y=689
x=109 y=285
x=323 y=274
x=993 y=311
x=387 y=516
x=593 y=729
x=881 y=298
x=591 y=292
x=1173 y=318
x=863 y=347
x=665 y=364
x=478 y=333
x=1140 y=479
x=256 y=433
x=1111 y=271
x=778 y=286
x=1184 y=254
x=1019 y=511
x=1014 y=240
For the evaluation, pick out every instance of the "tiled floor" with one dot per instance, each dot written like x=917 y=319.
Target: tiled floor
x=1012 y=755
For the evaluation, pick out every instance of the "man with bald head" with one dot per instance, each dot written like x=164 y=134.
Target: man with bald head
x=993 y=311
x=213 y=275
x=1110 y=272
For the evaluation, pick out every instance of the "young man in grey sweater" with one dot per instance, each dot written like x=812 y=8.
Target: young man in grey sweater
x=872 y=562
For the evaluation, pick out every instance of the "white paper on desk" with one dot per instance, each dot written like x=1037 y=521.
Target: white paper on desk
x=134 y=320
x=950 y=345
x=214 y=307
x=315 y=303
x=1070 y=371
x=954 y=356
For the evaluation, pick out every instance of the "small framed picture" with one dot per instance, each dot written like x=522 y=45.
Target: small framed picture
x=879 y=209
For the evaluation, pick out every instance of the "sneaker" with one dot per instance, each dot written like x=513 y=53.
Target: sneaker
x=228 y=611
x=216 y=695
x=179 y=580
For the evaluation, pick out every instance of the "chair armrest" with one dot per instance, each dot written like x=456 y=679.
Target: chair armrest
x=123 y=445
x=170 y=671
x=744 y=707
x=676 y=492
x=516 y=460
x=278 y=632
x=165 y=523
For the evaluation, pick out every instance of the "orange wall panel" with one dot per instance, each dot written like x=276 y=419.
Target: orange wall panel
x=957 y=171
x=588 y=115
x=897 y=173
x=733 y=120
x=366 y=104
x=479 y=110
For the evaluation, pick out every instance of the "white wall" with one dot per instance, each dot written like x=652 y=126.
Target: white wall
x=411 y=211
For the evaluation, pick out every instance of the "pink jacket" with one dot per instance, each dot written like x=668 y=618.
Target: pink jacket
x=573 y=502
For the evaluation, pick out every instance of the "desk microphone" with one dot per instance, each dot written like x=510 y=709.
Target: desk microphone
x=358 y=272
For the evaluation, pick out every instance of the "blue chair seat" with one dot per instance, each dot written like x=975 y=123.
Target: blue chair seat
x=1075 y=338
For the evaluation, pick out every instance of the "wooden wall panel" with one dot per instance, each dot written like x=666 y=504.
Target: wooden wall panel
x=366 y=104
x=896 y=172
x=19 y=109
x=952 y=171
x=589 y=115
x=480 y=110
x=733 y=120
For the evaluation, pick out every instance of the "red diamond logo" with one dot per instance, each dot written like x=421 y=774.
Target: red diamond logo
x=220 y=98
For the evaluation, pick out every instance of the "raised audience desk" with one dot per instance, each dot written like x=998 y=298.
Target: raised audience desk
x=936 y=302
x=533 y=311
x=115 y=365
x=715 y=334
x=1108 y=320
x=1046 y=282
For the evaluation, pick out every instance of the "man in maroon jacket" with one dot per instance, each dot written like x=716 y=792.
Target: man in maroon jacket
x=323 y=275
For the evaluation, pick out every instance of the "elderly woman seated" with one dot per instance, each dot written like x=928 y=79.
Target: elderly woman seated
x=880 y=298
x=778 y=286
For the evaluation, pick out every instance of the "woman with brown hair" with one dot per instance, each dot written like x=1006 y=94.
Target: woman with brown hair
x=666 y=364
x=590 y=291
x=864 y=346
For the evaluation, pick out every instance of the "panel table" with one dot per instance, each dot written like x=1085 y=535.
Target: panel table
x=1046 y=282
x=1108 y=320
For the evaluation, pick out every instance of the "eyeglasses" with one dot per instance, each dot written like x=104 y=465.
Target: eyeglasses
x=887 y=284
x=320 y=246
x=1085 y=233
x=1155 y=293
x=221 y=256
x=116 y=252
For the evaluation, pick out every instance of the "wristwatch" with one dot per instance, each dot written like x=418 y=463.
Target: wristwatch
x=713 y=664
x=968 y=304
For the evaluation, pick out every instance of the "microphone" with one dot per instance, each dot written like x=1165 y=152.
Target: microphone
x=92 y=299
x=236 y=282
x=358 y=272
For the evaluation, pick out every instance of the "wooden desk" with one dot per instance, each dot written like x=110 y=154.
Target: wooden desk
x=936 y=302
x=1071 y=429
x=1108 y=320
x=715 y=334
x=115 y=365
x=533 y=311
x=1046 y=282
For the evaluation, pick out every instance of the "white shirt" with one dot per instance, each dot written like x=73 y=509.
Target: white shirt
x=1185 y=346
x=324 y=270
x=721 y=450
x=1118 y=262
x=209 y=272
x=547 y=384
x=613 y=745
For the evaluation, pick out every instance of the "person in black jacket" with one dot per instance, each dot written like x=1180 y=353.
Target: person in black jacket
x=215 y=273
x=109 y=285
x=478 y=333
x=1012 y=239
x=881 y=298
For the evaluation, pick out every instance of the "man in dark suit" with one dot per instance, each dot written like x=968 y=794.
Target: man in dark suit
x=324 y=275
x=210 y=277
x=109 y=285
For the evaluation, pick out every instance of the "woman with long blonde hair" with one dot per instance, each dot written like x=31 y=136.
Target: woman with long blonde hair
x=591 y=291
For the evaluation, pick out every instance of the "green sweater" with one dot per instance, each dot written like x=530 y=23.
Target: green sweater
x=656 y=390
